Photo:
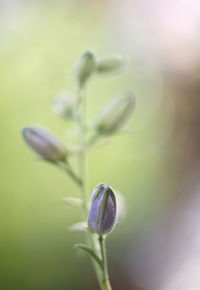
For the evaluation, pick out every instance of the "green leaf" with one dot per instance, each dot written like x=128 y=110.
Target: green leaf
x=91 y=252
x=79 y=227
x=73 y=201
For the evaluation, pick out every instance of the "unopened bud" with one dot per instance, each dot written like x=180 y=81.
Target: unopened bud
x=85 y=68
x=102 y=213
x=44 y=144
x=116 y=114
x=64 y=106
x=110 y=65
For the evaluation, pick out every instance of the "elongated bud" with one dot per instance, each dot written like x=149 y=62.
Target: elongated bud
x=85 y=68
x=102 y=213
x=44 y=144
x=64 y=106
x=113 y=117
x=110 y=65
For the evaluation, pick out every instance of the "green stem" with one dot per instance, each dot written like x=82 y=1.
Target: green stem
x=82 y=165
x=82 y=152
x=73 y=176
x=71 y=173
x=93 y=139
x=105 y=283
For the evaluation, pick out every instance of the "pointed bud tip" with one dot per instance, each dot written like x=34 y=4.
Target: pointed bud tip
x=88 y=53
x=26 y=130
x=85 y=68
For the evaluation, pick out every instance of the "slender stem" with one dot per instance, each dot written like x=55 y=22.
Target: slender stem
x=71 y=173
x=82 y=165
x=93 y=139
x=82 y=152
x=105 y=281
x=66 y=167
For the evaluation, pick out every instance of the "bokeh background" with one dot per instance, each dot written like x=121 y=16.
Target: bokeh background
x=156 y=168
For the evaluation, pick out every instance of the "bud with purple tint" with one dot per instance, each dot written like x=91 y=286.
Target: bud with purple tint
x=102 y=213
x=44 y=144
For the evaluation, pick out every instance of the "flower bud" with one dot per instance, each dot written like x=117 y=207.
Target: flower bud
x=110 y=65
x=44 y=144
x=102 y=213
x=85 y=68
x=64 y=106
x=116 y=114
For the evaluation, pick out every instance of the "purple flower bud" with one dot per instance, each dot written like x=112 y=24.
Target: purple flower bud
x=102 y=213
x=44 y=144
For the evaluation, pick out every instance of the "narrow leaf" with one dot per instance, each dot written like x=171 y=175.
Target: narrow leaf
x=72 y=201
x=79 y=227
x=91 y=252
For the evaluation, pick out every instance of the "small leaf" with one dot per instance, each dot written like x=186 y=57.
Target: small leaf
x=91 y=253
x=73 y=201
x=79 y=227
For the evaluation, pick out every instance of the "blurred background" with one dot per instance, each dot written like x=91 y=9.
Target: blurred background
x=157 y=246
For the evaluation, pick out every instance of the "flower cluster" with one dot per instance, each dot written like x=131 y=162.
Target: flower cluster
x=105 y=206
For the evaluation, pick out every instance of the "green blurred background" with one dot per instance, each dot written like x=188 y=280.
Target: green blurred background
x=40 y=44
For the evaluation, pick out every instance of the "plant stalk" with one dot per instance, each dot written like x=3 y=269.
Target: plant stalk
x=67 y=168
x=105 y=281
x=82 y=164
x=71 y=173
x=81 y=155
